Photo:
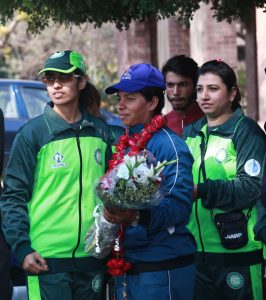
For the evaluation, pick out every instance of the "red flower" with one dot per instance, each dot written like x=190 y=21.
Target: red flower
x=136 y=136
x=137 y=142
x=118 y=266
x=146 y=136
x=121 y=147
x=158 y=121
x=123 y=138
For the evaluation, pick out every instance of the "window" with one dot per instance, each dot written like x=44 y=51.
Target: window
x=8 y=102
x=34 y=99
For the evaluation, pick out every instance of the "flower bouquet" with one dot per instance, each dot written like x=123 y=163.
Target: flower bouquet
x=134 y=183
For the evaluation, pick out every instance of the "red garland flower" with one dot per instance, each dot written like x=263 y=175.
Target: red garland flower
x=117 y=265
x=137 y=142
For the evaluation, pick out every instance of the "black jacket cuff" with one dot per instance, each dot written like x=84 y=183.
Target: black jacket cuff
x=144 y=217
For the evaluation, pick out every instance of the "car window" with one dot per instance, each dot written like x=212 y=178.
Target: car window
x=8 y=102
x=34 y=99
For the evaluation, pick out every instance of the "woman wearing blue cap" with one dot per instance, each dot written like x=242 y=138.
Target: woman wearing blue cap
x=155 y=240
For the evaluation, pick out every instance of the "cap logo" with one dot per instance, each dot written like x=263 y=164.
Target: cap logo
x=126 y=75
x=57 y=54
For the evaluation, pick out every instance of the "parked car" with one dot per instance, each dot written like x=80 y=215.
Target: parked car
x=22 y=100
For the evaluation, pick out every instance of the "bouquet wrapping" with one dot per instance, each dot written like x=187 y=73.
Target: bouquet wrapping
x=99 y=240
x=135 y=183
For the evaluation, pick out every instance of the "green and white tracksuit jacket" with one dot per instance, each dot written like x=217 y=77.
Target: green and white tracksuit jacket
x=48 y=199
x=233 y=156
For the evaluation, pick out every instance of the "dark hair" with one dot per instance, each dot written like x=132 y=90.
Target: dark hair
x=182 y=65
x=226 y=73
x=90 y=99
x=149 y=92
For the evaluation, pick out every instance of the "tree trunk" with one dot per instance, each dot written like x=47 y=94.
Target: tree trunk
x=251 y=66
x=152 y=23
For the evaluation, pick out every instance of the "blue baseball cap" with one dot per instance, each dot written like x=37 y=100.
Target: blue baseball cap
x=136 y=78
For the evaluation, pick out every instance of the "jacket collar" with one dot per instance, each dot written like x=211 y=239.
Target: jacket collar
x=226 y=129
x=136 y=128
x=56 y=124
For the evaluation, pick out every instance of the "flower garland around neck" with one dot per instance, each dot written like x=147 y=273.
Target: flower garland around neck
x=137 y=142
x=117 y=265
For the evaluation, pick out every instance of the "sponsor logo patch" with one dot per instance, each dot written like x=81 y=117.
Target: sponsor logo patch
x=233 y=236
x=97 y=283
x=98 y=156
x=221 y=156
x=235 y=280
x=58 y=158
x=252 y=167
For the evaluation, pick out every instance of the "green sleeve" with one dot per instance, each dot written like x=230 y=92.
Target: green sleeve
x=242 y=191
x=18 y=184
x=260 y=227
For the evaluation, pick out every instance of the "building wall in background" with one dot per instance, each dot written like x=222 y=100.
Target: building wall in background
x=210 y=39
x=133 y=46
x=206 y=39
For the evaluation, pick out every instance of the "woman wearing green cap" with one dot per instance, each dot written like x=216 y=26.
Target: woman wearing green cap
x=48 y=198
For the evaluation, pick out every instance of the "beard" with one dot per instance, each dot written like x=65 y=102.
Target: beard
x=181 y=103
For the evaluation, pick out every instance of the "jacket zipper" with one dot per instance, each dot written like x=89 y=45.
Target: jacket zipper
x=80 y=197
x=203 y=149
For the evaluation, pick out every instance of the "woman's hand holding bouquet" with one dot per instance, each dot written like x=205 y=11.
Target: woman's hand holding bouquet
x=132 y=184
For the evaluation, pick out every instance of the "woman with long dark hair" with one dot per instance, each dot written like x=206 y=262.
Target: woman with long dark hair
x=228 y=149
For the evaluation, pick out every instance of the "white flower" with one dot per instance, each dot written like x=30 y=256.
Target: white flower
x=133 y=161
x=123 y=171
x=142 y=173
x=129 y=160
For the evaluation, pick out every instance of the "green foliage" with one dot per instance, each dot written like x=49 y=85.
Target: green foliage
x=23 y=53
x=3 y=70
x=230 y=10
x=119 y=12
x=135 y=197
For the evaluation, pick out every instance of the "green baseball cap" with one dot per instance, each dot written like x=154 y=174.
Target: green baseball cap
x=64 y=62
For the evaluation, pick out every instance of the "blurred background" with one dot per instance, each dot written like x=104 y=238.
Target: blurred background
x=108 y=51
